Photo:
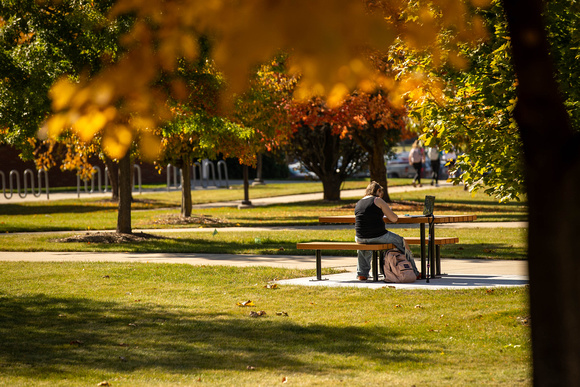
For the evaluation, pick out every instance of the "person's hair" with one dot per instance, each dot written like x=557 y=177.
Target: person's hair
x=373 y=189
x=416 y=144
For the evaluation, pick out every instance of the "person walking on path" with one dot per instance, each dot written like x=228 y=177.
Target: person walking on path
x=435 y=160
x=370 y=228
x=416 y=159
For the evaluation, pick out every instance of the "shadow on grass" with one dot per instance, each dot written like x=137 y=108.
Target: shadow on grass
x=43 y=336
x=36 y=209
x=499 y=251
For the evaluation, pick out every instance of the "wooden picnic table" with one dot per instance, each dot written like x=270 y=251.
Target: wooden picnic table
x=422 y=220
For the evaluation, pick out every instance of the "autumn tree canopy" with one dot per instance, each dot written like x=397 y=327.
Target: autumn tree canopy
x=318 y=144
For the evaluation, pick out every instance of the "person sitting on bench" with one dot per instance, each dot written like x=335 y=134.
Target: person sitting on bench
x=370 y=228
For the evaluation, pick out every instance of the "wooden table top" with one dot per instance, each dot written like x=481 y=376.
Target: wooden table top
x=411 y=219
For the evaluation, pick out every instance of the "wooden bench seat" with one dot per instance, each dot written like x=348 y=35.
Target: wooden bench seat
x=375 y=248
x=319 y=246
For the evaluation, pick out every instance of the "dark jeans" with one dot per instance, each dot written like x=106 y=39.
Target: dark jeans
x=418 y=170
x=435 y=166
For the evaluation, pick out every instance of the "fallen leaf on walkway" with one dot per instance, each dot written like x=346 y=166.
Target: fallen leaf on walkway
x=257 y=314
x=246 y=303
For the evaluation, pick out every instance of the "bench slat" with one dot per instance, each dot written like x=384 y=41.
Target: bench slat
x=438 y=240
x=343 y=246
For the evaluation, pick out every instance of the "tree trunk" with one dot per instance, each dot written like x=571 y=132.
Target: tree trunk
x=186 y=190
x=113 y=172
x=552 y=171
x=246 y=201
x=374 y=144
x=124 y=214
x=378 y=169
x=331 y=187
x=259 y=180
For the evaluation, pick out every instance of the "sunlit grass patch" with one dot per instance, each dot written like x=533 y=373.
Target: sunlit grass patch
x=143 y=324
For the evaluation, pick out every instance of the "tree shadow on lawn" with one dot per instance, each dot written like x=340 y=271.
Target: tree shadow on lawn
x=42 y=336
x=23 y=209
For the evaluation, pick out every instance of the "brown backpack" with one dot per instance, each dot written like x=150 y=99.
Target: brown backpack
x=397 y=269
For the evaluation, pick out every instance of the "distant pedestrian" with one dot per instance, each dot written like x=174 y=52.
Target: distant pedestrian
x=435 y=158
x=416 y=159
x=450 y=162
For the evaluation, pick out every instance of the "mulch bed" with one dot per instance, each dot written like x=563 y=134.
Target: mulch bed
x=198 y=219
x=108 y=237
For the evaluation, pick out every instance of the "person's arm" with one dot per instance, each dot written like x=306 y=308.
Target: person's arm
x=386 y=210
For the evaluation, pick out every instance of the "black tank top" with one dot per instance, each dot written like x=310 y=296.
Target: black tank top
x=369 y=221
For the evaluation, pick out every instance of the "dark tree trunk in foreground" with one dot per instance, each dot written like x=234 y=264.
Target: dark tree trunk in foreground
x=125 y=195
x=113 y=172
x=552 y=167
x=186 y=189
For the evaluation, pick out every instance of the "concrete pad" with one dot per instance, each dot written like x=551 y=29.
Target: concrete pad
x=448 y=281
x=459 y=274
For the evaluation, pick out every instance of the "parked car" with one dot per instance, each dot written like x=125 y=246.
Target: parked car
x=398 y=166
x=298 y=171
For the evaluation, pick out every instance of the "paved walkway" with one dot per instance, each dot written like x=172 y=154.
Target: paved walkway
x=460 y=273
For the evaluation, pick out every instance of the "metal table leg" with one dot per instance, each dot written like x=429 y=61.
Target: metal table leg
x=423 y=256
x=375 y=266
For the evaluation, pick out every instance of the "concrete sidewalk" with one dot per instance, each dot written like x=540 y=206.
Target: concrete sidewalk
x=460 y=273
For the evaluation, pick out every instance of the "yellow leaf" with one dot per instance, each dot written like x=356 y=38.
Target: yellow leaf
x=337 y=95
x=89 y=124
x=56 y=124
x=116 y=141
x=150 y=146
x=61 y=93
x=245 y=303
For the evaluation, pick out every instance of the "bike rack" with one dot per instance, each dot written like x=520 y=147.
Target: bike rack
x=97 y=171
x=225 y=167
x=137 y=169
x=28 y=172
x=176 y=171
x=201 y=181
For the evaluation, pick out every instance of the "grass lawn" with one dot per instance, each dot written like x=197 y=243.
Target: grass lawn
x=488 y=243
x=160 y=211
x=79 y=324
